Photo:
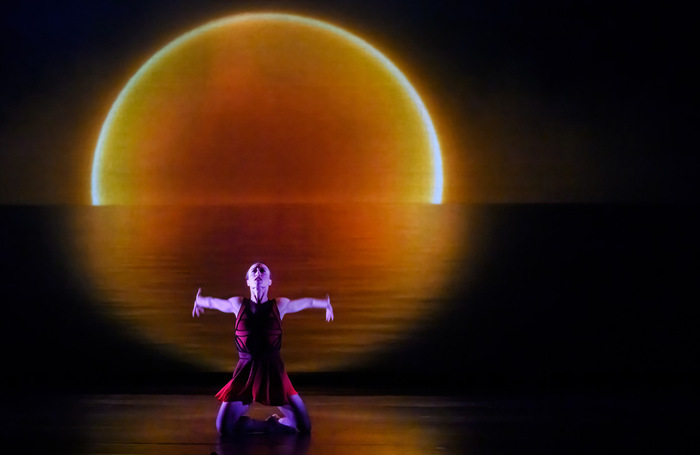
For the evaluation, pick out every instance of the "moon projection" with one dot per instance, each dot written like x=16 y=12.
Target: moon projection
x=280 y=139
x=259 y=108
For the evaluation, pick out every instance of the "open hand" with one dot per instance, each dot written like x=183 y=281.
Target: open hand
x=329 y=309
x=197 y=310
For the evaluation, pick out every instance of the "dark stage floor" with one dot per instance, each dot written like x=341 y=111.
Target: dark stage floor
x=351 y=424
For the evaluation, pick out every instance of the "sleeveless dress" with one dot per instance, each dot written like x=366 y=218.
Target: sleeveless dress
x=259 y=374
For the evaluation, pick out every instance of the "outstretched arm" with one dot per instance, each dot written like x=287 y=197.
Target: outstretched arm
x=292 y=306
x=231 y=305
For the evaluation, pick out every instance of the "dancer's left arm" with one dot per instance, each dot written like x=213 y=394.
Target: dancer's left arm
x=292 y=306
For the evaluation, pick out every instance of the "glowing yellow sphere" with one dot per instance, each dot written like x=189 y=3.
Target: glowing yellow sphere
x=267 y=108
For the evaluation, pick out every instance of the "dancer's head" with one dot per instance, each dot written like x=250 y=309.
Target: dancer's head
x=258 y=276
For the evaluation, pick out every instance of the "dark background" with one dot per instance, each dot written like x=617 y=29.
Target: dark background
x=566 y=123
x=539 y=101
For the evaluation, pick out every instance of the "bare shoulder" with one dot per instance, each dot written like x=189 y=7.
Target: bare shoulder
x=236 y=303
x=282 y=303
x=236 y=300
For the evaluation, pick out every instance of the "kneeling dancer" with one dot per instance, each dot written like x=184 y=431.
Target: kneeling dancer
x=259 y=374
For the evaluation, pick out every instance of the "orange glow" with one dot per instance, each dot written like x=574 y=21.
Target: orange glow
x=385 y=266
x=342 y=424
x=267 y=108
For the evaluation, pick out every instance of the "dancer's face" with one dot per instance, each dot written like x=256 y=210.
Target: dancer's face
x=259 y=276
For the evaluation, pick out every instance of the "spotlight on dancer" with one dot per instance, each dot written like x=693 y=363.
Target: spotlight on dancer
x=259 y=375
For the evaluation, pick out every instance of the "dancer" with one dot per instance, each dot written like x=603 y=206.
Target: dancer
x=260 y=375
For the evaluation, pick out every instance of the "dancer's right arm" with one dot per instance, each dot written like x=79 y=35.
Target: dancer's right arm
x=231 y=305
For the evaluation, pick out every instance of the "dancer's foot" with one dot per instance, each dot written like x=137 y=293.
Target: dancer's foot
x=275 y=425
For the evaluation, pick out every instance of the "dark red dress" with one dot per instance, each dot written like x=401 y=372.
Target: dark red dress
x=259 y=375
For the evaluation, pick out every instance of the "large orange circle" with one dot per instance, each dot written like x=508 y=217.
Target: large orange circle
x=267 y=108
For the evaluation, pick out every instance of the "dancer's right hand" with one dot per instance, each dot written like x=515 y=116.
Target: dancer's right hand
x=197 y=310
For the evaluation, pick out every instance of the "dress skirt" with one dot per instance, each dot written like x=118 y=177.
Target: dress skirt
x=261 y=378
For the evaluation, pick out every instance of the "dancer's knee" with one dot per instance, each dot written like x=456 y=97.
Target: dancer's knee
x=229 y=427
x=304 y=422
x=301 y=415
x=304 y=426
x=230 y=416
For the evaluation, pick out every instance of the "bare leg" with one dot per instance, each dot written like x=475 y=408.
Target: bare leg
x=288 y=420
x=295 y=415
x=229 y=414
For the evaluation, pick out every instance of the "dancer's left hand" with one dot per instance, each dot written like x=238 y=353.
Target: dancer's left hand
x=329 y=309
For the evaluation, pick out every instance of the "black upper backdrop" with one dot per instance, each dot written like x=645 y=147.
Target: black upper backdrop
x=563 y=294
x=539 y=101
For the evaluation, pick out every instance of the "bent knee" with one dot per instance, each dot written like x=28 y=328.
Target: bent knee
x=230 y=426
x=304 y=427
x=304 y=424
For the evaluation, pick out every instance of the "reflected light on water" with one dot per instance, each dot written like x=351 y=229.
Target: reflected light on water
x=341 y=425
x=385 y=267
